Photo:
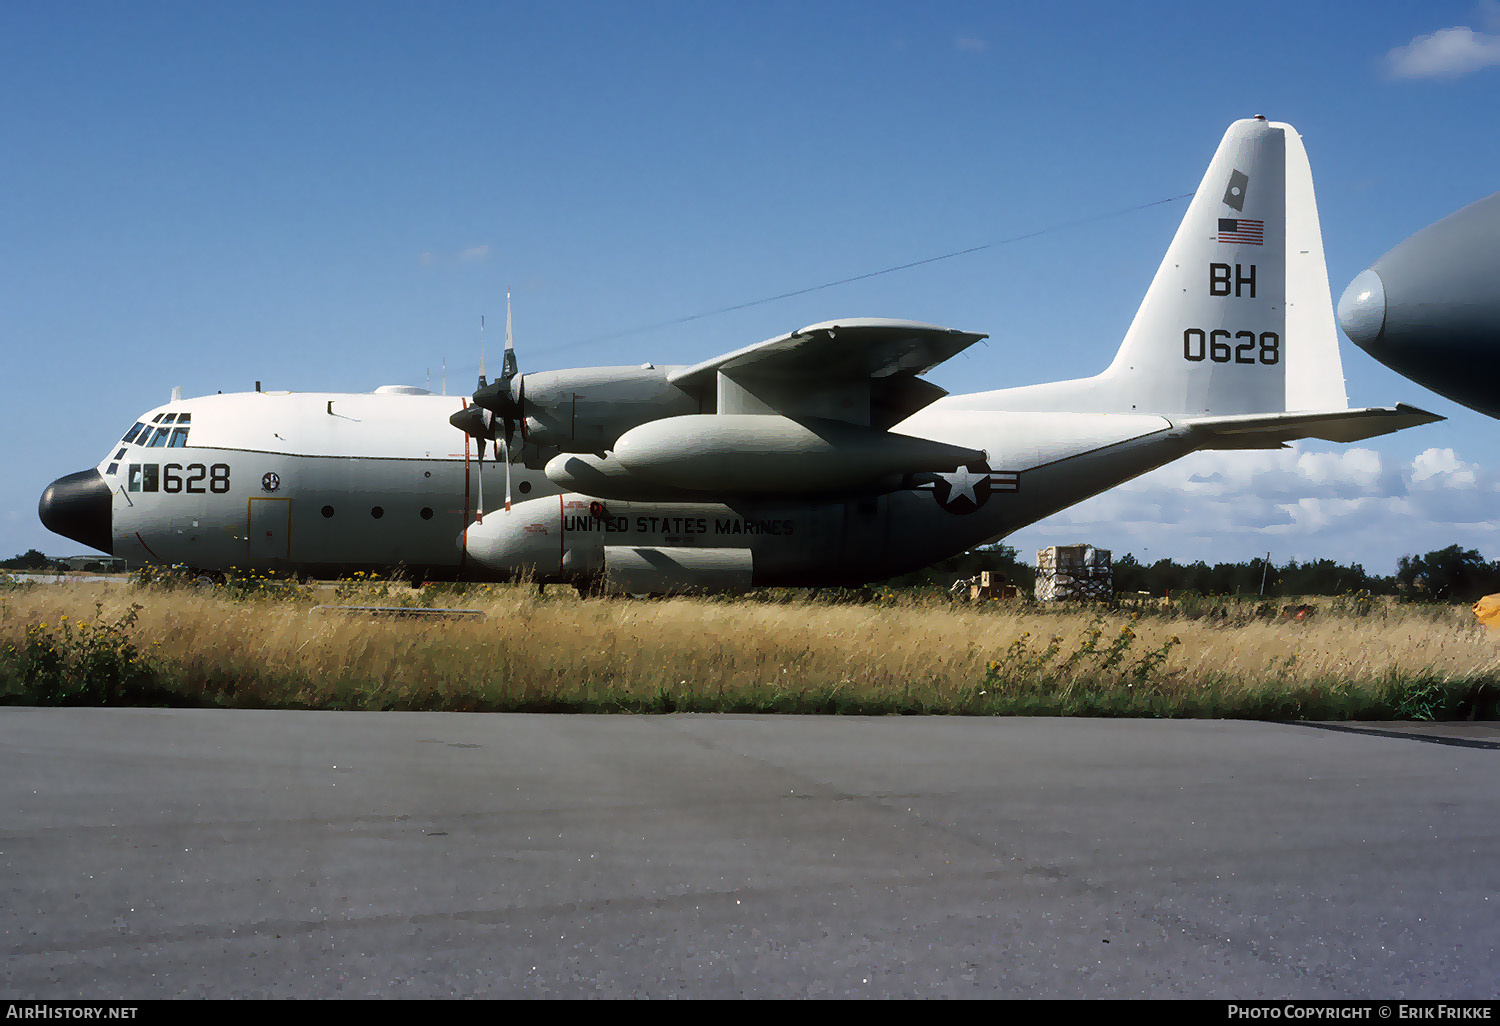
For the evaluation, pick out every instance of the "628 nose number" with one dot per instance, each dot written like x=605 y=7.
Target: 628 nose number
x=1248 y=347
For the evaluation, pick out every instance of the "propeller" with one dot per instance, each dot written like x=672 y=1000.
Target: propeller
x=493 y=406
x=505 y=398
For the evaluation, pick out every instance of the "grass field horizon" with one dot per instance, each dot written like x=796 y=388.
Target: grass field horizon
x=261 y=645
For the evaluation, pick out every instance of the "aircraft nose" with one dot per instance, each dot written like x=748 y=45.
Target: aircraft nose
x=1362 y=308
x=78 y=507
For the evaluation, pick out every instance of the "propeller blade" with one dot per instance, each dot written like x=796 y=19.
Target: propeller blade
x=506 y=443
x=508 y=367
x=505 y=396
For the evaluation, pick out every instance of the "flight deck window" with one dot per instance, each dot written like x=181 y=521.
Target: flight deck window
x=179 y=438
x=134 y=472
x=150 y=477
x=112 y=468
x=130 y=435
x=160 y=438
x=169 y=418
x=183 y=418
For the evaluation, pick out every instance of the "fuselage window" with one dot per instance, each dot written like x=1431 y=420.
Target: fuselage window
x=160 y=438
x=179 y=438
x=130 y=435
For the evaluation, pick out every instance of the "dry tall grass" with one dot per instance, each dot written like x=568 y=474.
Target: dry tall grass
x=893 y=655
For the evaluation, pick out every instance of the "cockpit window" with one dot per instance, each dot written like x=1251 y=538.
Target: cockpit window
x=183 y=418
x=179 y=437
x=169 y=418
x=130 y=435
x=157 y=419
x=160 y=438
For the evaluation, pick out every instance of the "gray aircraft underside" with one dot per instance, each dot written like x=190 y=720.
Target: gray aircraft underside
x=820 y=457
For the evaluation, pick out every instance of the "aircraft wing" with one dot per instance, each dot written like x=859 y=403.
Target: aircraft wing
x=859 y=347
x=834 y=368
x=1273 y=430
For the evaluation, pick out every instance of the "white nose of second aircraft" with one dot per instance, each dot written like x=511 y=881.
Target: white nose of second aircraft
x=1362 y=308
x=516 y=538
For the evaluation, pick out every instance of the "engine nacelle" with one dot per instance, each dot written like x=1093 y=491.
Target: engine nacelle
x=586 y=409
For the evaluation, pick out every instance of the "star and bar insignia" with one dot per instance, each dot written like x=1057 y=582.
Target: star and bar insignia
x=967 y=488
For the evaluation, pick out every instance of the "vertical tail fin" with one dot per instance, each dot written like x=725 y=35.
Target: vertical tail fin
x=1239 y=318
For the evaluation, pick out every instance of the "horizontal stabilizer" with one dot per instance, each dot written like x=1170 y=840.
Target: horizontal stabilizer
x=1271 y=430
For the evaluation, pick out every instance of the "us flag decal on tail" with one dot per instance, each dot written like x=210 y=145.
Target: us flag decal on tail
x=1242 y=230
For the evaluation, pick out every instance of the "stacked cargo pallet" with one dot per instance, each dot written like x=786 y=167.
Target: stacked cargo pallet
x=1073 y=572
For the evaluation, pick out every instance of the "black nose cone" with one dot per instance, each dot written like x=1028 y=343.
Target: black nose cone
x=78 y=507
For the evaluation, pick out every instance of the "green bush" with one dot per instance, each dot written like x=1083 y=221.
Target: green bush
x=71 y=663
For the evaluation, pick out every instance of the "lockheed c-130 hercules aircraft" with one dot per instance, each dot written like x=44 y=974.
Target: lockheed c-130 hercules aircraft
x=820 y=457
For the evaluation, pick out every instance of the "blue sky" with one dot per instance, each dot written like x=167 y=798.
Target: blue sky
x=330 y=195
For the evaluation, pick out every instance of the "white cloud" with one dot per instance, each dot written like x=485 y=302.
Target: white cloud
x=467 y=255
x=1353 y=505
x=1446 y=52
x=1434 y=462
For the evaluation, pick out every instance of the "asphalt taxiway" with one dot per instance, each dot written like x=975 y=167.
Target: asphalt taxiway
x=171 y=853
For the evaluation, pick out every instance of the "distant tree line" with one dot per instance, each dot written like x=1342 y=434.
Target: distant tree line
x=1453 y=574
x=31 y=559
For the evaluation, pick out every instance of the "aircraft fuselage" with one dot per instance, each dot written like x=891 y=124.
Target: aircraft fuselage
x=320 y=484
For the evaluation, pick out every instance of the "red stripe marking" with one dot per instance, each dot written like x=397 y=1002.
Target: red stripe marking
x=148 y=548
